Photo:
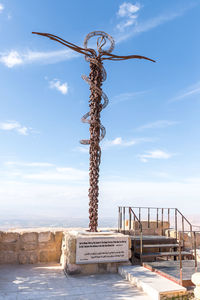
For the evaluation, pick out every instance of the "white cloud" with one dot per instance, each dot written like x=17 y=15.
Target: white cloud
x=27 y=171
x=61 y=190
x=61 y=87
x=190 y=91
x=55 y=199
x=150 y=193
x=126 y=97
x=22 y=130
x=161 y=174
x=11 y=59
x=15 y=126
x=156 y=154
x=195 y=180
x=1 y=7
x=118 y=141
x=115 y=142
x=50 y=56
x=127 y=11
x=25 y=198
x=122 y=25
x=28 y=164
x=83 y=149
x=42 y=171
x=137 y=28
x=158 y=124
x=14 y=57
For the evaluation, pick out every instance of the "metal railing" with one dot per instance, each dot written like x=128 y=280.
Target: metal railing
x=193 y=237
x=130 y=221
x=129 y=226
x=160 y=215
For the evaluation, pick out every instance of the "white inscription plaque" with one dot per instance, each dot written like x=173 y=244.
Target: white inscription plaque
x=101 y=249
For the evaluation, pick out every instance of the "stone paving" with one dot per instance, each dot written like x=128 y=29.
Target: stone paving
x=34 y=282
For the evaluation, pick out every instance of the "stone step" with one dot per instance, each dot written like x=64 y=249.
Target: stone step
x=150 y=239
x=158 y=246
x=154 y=285
x=162 y=254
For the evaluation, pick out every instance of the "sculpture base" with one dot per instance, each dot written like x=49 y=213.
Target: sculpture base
x=94 y=252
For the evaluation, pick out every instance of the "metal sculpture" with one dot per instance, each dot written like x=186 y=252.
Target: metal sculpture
x=97 y=130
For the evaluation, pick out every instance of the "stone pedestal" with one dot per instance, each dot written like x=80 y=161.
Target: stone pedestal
x=90 y=253
x=196 y=281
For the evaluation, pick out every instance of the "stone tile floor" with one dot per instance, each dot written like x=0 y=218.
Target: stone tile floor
x=33 y=282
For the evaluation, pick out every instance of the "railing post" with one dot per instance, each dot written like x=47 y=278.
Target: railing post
x=134 y=224
x=168 y=221
x=162 y=220
x=183 y=232
x=176 y=222
x=141 y=246
x=124 y=219
x=140 y=214
x=180 y=260
x=192 y=238
x=195 y=250
x=121 y=218
x=129 y=220
x=118 y=218
x=148 y=217
x=157 y=217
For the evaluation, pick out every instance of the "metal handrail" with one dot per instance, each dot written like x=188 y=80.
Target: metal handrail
x=122 y=225
x=164 y=208
x=183 y=217
x=169 y=209
x=149 y=214
x=179 y=232
x=180 y=262
x=122 y=216
x=194 y=248
x=140 y=227
x=135 y=216
x=198 y=226
x=151 y=207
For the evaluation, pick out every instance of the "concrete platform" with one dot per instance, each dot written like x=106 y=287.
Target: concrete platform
x=171 y=269
x=154 y=285
x=33 y=282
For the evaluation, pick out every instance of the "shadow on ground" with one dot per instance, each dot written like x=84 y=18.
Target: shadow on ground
x=48 y=281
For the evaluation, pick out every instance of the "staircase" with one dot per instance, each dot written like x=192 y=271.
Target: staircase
x=162 y=241
x=160 y=238
x=155 y=248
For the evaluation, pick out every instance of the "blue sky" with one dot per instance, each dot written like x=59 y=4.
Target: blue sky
x=150 y=155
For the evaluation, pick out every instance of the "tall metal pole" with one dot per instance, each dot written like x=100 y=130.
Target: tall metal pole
x=95 y=151
x=97 y=130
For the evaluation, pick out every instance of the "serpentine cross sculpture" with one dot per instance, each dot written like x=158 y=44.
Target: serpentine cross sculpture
x=97 y=130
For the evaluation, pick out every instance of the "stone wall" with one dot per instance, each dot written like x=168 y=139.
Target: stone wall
x=188 y=240
x=30 y=247
x=151 y=228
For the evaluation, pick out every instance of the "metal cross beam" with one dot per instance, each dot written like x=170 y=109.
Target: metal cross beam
x=97 y=130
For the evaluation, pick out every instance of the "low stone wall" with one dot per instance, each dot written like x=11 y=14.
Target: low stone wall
x=30 y=247
x=151 y=228
x=188 y=241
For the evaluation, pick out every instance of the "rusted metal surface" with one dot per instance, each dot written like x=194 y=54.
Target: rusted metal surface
x=97 y=130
